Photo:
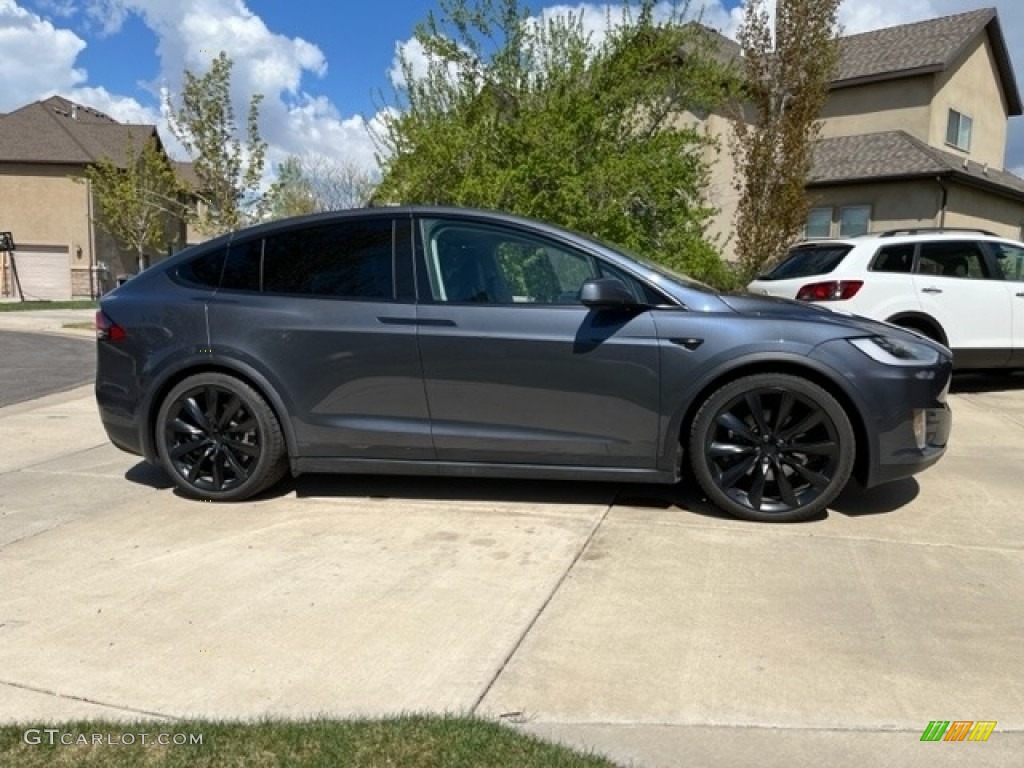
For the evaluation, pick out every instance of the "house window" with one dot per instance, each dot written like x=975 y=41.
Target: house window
x=854 y=220
x=819 y=223
x=958 y=130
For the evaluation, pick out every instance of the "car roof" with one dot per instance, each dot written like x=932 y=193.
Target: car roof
x=909 y=236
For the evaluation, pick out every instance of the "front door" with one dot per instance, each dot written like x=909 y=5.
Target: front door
x=954 y=285
x=516 y=370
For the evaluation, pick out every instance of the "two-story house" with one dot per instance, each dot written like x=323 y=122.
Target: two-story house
x=913 y=134
x=48 y=206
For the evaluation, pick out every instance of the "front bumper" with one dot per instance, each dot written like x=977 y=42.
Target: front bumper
x=899 y=455
x=887 y=397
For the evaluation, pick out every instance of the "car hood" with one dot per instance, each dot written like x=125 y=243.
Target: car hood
x=790 y=309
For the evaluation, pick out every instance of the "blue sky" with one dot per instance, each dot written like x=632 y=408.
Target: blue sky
x=357 y=40
x=318 y=63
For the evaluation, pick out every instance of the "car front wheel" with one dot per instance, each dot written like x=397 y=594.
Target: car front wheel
x=218 y=438
x=772 y=447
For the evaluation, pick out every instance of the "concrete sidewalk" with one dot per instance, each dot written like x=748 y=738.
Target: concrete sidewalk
x=626 y=620
x=47 y=321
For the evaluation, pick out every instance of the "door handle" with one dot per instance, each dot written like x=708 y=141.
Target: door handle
x=1020 y=294
x=416 y=321
x=931 y=290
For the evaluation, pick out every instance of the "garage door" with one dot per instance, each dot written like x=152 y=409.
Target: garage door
x=44 y=271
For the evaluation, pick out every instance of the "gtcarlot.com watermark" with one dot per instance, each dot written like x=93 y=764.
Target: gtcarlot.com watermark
x=54 y=737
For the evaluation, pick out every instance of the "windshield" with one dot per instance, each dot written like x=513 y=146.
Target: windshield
x=655 y=272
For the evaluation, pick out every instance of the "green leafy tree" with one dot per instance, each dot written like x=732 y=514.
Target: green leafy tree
x=534 y=116
x=338 y=184
x=291 y=193
x=315 y=183
x=138 y=200
x=786 y=82
x=204 y=122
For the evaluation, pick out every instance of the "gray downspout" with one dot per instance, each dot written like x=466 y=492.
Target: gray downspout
x=942 y=205
x=94 y=286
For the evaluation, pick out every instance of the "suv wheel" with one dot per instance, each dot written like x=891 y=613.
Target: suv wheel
x=772 y=447
x=218 y=439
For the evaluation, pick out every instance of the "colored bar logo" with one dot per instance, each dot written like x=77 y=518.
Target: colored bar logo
x=958 y=730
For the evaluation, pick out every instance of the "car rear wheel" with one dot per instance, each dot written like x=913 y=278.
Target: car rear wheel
x=772 y=447
x=218 y=439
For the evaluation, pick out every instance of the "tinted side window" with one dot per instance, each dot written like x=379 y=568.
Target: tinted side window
x=804 y=261
x=350 y=259
x=469 y=263
x=952 y=259
x=894 y=258
x=242 y=270
x=1011 y=260
x=204 y=270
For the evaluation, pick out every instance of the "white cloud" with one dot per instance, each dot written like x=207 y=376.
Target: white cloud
x=191 y=33
x=36 y=58
x=122 y=108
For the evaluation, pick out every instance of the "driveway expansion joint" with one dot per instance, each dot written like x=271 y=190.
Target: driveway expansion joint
x=86 y=700
x=540 y=611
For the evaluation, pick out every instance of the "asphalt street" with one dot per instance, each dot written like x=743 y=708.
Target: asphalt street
x=37 y=364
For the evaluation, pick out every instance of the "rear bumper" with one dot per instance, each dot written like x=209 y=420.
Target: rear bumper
x=119 y=424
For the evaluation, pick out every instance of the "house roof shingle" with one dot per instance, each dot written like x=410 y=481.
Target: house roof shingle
x=924 y=47
x=896 y=154
x=186 y=173
x=59 y=131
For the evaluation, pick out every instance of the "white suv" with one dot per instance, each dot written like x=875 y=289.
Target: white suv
x=964 y=288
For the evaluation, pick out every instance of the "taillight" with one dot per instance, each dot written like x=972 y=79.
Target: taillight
x=833 y=290
x=107 y=329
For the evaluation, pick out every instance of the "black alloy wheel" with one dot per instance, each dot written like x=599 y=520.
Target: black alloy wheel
x=772 y=447
x=218 y=438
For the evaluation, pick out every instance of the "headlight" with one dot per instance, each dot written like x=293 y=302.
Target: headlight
x=892 y=351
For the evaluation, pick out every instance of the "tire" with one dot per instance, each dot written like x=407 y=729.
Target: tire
x=218 y=439
x=772 y=448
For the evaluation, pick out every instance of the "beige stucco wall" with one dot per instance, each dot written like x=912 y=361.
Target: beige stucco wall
x=909 y=204
x=971 y=87
x=894 y=105
x=43 y=205
x=893 y=205
x=721 y=191
x=970 y=207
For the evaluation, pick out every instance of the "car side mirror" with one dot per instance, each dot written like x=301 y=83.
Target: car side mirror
x=606 y=292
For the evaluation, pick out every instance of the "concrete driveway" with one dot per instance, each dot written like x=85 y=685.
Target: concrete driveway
x=631 y=620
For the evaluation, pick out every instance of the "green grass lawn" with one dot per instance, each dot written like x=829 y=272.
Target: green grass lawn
x=405 y=742
x=24 y=306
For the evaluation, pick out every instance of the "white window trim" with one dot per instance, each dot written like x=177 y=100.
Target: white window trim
x=961 y=116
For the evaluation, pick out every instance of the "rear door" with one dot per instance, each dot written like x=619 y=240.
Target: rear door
x=326 y=313
x=516 y=370
x=956 y=286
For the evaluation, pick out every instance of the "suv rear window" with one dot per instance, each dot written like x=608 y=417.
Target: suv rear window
x=808 y=260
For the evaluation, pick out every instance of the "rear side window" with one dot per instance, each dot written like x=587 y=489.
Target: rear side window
x=242 y=270
x=808 y=260
x=204 y=270
x=345 y=260
x=894 y=258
